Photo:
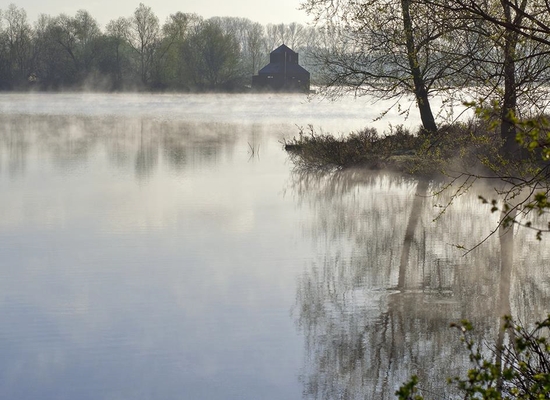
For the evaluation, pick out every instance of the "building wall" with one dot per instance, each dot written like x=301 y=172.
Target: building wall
x=277 y=82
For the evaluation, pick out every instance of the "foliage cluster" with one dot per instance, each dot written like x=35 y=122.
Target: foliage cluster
x=138 y=52
x=517 y=370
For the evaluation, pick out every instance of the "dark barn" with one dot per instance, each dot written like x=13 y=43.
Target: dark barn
x=282 y=73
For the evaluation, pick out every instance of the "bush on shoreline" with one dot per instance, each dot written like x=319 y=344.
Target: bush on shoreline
x=519 y=369
x=471 y=145
x=364 y=148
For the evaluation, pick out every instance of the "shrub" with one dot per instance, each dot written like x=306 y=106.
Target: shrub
x=312 y=150
x=520 y=370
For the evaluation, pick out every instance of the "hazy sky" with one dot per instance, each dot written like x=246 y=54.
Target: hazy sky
x=262 y=11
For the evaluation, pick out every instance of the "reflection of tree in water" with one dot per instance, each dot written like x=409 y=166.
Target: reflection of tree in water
x=147 y=154
x=175 y=152
x=128 y=143
x=363 y=337
x=197 y=145
x=414 y=216
x=67 y=141
x=15 y=147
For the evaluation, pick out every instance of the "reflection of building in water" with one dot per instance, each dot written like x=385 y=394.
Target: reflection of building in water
x=283 y=73
x=377 y=305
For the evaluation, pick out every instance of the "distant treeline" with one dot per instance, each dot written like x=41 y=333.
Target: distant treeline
x=186 y=53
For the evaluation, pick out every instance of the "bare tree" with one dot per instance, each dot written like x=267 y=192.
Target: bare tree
x=388 y=49
x=255 y=45
x=86 y=31
x=515 y=67
x=18 y=35
x=117 y=31
x=144 y=37
x=211 y=58
x=272 y=38
x=76 y=36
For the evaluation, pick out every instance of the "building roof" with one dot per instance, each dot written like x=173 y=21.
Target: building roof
x=283 y=48
x=279 y=68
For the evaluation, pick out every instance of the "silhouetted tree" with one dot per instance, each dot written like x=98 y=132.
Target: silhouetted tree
x=169 y=53
x=255 y=45
x=143 y=35
x=387 y=49
x=512 y=67
x=17 y=38
x=117 y=60
x=186 y=53
x=211 y=58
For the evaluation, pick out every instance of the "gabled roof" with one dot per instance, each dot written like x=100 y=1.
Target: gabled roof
x=279 y=68
x=283 y=48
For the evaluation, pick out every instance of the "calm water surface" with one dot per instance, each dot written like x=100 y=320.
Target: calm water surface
x=164 y=247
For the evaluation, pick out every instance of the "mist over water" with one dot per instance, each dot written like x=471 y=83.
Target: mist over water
x=342 y=116
x=163 y=246
x=138 y=263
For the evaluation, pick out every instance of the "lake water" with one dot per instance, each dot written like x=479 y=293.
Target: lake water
x=164 y=247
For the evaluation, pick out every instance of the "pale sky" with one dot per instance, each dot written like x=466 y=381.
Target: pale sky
x=264 y=12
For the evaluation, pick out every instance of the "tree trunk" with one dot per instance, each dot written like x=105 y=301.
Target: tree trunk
x=420 y=90
x=508 y=128
x=418 y=203
x=506 y=237
x=509 y=101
